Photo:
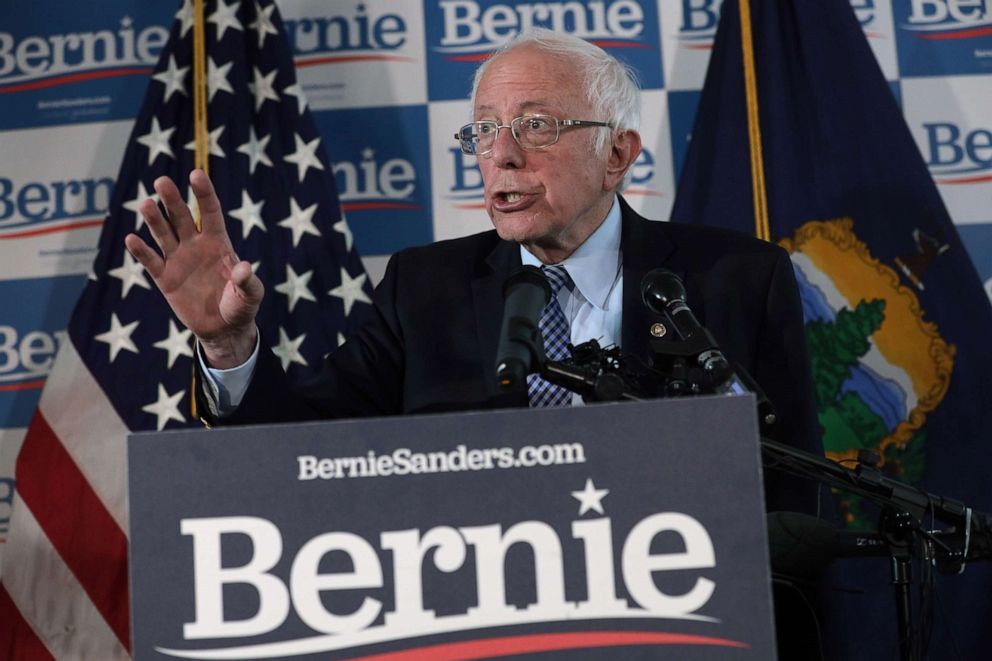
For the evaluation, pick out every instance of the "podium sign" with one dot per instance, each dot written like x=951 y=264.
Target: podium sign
x=631 y=530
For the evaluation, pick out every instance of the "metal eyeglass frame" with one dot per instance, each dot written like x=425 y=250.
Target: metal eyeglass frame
x=469 y=131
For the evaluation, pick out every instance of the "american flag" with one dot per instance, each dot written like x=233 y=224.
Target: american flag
x=128 y=366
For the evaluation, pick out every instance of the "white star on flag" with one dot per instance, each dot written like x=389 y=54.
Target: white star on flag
x=177 y=343
x=263 y=23
x=590 y=498
x=118 y=337
x=254 y=149
x=350 y=290
x=342 y=227
x=261 y=87
x=165 y=408
x=296 y=287
x=301 y=98
x=288 y=350
x=132 y=204
x=185 y=17
x=217 y=78
x=214 y=143
x=305 y=156
x=224 y=17
x=130 y=273
x=249 y=213
x=157 y=141
x=172 y=78
x=300 y=221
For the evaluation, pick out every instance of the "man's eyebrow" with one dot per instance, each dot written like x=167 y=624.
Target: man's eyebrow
x=523 y=107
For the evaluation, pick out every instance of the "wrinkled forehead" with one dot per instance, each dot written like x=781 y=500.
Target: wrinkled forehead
x=528 y=79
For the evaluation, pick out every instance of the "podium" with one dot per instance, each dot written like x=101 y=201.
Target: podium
x=625 y=530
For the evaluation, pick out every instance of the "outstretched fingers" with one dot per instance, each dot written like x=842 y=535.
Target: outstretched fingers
x=159 y=227
x=180 y=219
x=147 y=257
x=211 y=214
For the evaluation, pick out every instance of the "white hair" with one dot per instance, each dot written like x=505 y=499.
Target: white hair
x=611 y=86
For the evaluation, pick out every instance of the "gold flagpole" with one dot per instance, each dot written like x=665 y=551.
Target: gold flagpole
x=201 y=145
x=758 y=191
x=200 y=132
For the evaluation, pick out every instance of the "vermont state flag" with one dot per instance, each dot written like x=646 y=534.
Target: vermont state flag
x=800 y=140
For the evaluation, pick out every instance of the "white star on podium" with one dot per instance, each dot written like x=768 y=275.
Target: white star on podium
x=590 y=498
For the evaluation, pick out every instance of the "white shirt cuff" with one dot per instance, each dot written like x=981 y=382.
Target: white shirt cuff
x=228 y=387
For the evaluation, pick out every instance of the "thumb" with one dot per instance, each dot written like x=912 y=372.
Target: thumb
x=247 y=283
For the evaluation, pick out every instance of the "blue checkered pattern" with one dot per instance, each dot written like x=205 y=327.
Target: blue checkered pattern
x=555 y=329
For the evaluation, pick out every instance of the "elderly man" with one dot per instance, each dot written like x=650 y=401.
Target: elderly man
x=555 y=133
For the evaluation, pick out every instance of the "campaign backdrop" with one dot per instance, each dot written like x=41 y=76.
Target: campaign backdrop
x=388 y=83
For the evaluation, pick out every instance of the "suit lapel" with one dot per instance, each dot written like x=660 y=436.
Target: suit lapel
x=487 y=298
x=645 y=247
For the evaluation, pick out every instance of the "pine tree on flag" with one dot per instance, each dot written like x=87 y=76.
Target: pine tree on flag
x=128 y=364
x=799 y=139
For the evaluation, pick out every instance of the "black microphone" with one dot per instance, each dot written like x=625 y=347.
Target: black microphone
x=663 y=292
x=521 y=346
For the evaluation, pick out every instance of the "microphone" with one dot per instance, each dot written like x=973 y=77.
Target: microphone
x=663 y=292
x=521 y=347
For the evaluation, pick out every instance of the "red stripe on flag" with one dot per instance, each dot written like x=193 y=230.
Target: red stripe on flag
x=75 y=520
x=18 y=641
x=490 y=647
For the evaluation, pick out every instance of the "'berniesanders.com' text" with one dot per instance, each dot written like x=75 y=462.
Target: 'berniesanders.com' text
x=404 y=461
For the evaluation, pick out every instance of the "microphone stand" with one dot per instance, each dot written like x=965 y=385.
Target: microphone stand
x=605 y=375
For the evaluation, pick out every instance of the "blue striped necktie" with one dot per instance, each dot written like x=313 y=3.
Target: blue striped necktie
x=554 y=327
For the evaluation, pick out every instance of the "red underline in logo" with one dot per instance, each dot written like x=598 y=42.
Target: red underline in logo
x=75 y=78
x=963 y=34
x=365 y=206
x=602 y=43
x=698 y=46
x=966 y=180
x=78 y=225
x=27 y=385
x=335 y=59
x=471 y=57
x=607 y=43
x=483 y=649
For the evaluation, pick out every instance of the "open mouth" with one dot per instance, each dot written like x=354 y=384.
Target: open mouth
x=512 y=200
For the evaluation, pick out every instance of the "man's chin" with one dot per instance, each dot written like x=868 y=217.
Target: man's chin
x=513 y=227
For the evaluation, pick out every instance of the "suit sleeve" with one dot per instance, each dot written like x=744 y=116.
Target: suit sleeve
x=361 y=378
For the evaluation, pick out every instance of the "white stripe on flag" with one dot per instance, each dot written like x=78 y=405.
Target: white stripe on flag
x=89 y=428
x=50 y=598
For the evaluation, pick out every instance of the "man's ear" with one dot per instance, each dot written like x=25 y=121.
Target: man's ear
x=623 y=152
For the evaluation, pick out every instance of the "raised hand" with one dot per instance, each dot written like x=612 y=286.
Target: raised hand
x=210 y=289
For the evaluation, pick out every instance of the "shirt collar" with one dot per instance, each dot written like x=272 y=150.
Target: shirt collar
x=595 y=264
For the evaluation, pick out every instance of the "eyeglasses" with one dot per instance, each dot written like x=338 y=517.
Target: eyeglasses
x=530 y=132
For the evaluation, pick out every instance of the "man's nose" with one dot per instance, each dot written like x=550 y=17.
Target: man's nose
x=506 y=152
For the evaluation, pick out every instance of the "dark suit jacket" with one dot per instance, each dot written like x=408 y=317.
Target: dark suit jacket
x=431 y=344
